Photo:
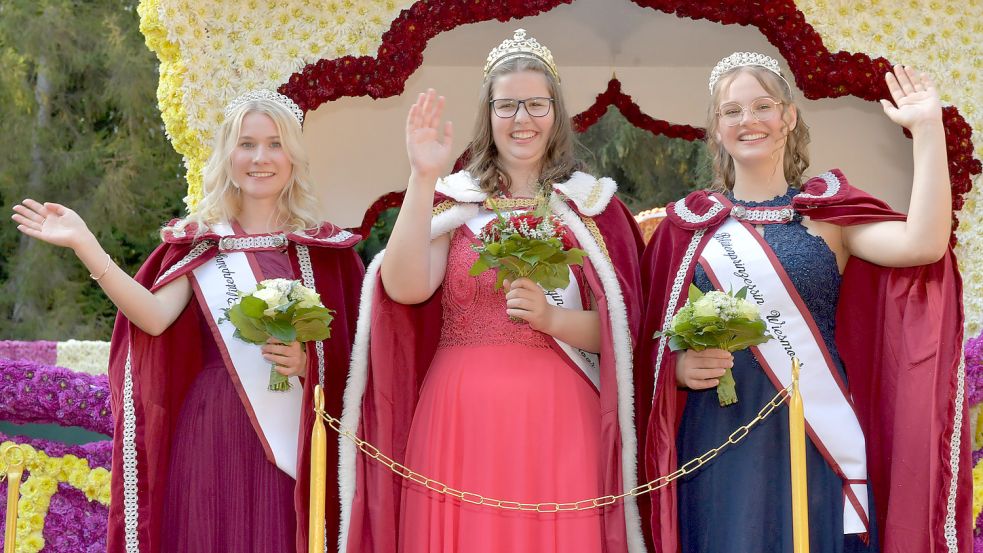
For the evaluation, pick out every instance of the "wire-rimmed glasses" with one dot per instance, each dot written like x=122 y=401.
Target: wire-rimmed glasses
x=762 y=109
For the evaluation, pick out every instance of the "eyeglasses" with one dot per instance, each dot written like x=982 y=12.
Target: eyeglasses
x=508 y=107
x=762 y=109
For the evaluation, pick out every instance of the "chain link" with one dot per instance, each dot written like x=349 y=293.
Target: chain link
x=687 y=468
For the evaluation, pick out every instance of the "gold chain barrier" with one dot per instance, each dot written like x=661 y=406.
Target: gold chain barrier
x=12 y=461
x=548 y=507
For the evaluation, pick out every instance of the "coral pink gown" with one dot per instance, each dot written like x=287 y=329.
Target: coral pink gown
x=502 y=414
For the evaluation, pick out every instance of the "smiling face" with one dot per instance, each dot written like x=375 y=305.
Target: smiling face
x=752 y=142
x=261 y=167
x=521 y=140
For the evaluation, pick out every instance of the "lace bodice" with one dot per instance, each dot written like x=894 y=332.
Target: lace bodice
x=474 y=312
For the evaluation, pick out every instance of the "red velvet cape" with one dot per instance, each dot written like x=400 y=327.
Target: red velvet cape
x=403 y=342
x=164 y=367
x=899 y=333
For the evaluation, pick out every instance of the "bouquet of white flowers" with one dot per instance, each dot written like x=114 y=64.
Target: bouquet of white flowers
x=717 y=320
x=283 y=309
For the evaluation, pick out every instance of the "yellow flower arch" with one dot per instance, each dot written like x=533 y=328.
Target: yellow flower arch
x=35 y=493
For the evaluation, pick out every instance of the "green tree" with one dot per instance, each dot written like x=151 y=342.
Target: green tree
x=79 y=125
x=650 y=170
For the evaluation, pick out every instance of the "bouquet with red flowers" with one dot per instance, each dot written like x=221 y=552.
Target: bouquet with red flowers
x=535 y=245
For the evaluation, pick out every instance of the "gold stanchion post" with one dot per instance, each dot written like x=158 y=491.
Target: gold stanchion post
x=13 y=458
x=319 y=475
x=797 y=450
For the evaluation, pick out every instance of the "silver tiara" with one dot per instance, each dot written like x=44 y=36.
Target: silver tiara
x=741 y=59
x=269 y=95
x=521 y=47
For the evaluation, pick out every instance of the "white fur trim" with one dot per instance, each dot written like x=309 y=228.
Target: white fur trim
x=618 y=315
x=461 y=187
x=447 y=221
x=591 y=195
x=351 y=412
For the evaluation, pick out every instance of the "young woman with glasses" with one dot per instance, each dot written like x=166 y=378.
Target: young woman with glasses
x=533 y=408
x=865 y=297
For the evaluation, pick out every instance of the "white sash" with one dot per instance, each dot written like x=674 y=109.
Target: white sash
x=274 y=415
x=736 y=257
x=567 y=298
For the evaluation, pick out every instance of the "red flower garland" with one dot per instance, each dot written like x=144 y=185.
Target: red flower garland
x=818 y=72
x=613 y=96
x=386 y=201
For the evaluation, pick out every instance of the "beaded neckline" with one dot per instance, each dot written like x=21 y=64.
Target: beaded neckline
x=777 y=210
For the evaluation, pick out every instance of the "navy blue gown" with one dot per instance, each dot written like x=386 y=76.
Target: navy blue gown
x=741 y=501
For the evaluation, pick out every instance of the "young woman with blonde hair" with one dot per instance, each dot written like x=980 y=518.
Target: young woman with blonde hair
x=865 y=297
x=206 y=457
x=536 y=408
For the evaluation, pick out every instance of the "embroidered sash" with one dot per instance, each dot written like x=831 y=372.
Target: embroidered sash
x=274 y=415
x=737 y=256
x=567 y=298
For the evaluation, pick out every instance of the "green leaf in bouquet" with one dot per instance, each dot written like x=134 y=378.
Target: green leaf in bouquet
x=313 y=313
x=575 y=256
x=516 y=266
x=550 y=280
x=246 y=327
x=694 y=293
x=678 y=343
x=286 y=307
x=538 y=252
x=480 y=265
x=741 y=294
x=748 y=333
x=281 y=330
x=252 y=307
x=312 y=331
x=501 y=275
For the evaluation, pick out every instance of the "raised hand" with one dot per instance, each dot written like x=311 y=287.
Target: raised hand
x=916 y=102
x=429 y=154
x=50 y=222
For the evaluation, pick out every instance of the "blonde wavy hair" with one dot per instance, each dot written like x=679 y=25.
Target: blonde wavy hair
x=297 y=206
x=796 y=151
x=559 y=160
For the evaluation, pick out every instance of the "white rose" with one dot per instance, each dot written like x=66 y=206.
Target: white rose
x=273 y=299
x=704 y=307
x=306 y=297
x=749 y=310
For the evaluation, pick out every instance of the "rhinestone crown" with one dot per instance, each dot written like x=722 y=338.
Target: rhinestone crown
x=520 y=47
x=741 y=59
x=264 y=94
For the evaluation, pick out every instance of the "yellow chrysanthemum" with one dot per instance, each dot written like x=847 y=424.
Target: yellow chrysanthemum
x=977 y=489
